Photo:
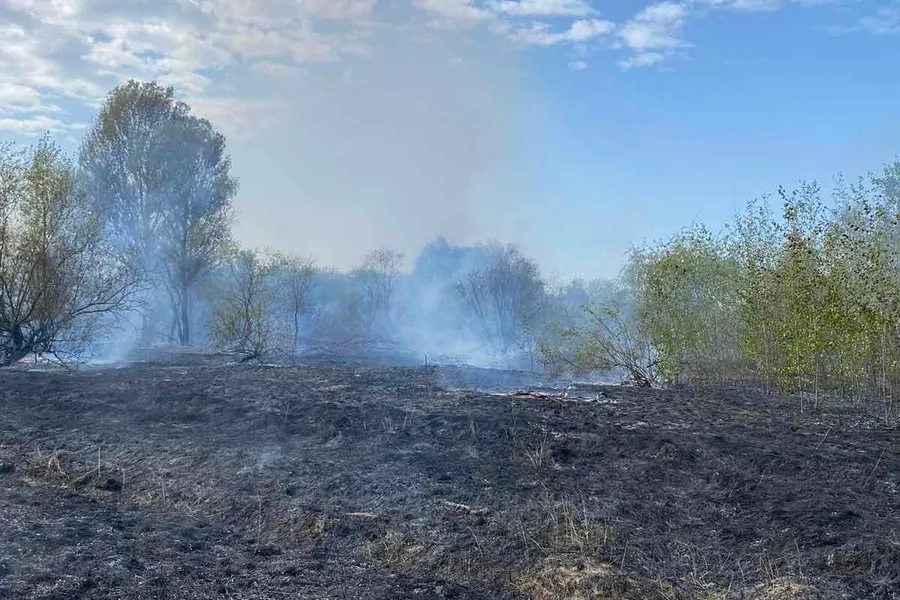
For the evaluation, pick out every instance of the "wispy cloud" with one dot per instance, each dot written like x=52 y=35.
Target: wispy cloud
x=454 y=13
x=54 y=52
x=543 y=8
x=886 y=20
x=748 y=6
x=653 y=34
x=75 y=50
x=643 y=59
x=37 y=125
x=541 y=34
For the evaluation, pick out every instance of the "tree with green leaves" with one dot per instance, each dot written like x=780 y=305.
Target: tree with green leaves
x=60 y=282
x=754 y=244
x=606 y=336
x=160 y=179
x=686 y=296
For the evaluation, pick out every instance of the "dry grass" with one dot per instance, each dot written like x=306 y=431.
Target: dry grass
x=559 y=579
x=573 y=531
x=782 y=588
x=538 y=454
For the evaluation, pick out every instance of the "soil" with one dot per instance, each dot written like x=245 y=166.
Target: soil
x=332 y=481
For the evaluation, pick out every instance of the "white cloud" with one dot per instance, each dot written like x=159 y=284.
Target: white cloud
x=653 y=34
x=58 y=51
x=277 y=13
x=38 y=59
x=454 y=13
x=747 y=6
x=543 y=8
x=577 y=65
x=540 y=34
x=37 y=125
x=642 y=59
x=79 y=49
x=47 y=11
x=15 y=98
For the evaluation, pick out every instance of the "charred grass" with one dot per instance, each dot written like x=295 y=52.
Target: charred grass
x=345 y=481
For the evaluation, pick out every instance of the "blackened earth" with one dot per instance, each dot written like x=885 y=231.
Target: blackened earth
x=333 y=481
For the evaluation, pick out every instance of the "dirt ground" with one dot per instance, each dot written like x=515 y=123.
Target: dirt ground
x=333 y=481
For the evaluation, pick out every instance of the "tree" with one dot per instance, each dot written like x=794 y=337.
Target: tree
x=160 y=179
x=294 y=279
x=334 y=309
x=59 y=281
x=376 y=282
x=754 y=245
x=609 y=337
x=686 y=294
x=242 y=319
x=505 y=297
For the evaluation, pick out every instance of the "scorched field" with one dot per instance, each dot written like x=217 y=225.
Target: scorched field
x=334 y=481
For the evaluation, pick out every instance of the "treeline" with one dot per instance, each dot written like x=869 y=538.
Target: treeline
x=129 y=244
x=482 y=303
x=806 y=299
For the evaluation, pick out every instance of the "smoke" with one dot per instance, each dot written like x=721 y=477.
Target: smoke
x=409 y=143
x=437 y=324
x=479 y=304
x=423 y=315
x=410 y=148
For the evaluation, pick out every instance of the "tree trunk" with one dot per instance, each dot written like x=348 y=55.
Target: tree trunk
x=185 y=318
x=17 y=349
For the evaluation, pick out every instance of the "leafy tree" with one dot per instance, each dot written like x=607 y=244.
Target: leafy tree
x=59 y=282
x=869 y=228
x=160 y=179
x=686 y=296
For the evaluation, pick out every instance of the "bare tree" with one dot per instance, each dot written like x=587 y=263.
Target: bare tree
x=376 y=283
x=611 y=338
x=242 y=319
x=161 y=181
x=294 y=277
x=59 y=281
x=506 y=297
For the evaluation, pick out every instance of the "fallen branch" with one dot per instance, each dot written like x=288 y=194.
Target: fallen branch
x=538 y=395
x=362 y=515
x=464 y=508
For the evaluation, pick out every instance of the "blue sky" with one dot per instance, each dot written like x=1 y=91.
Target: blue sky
x=573 y=128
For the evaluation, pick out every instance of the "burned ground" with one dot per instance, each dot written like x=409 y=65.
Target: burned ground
x=345 y=481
